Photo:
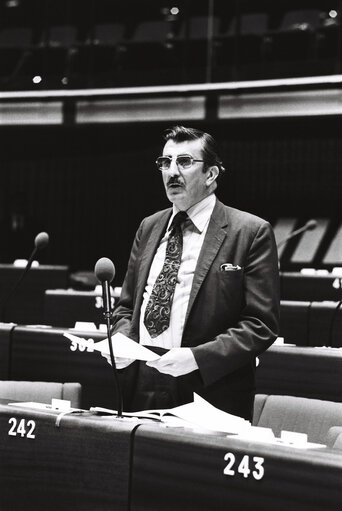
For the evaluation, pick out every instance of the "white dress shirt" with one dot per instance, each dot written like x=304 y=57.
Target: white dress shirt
x=194 y=231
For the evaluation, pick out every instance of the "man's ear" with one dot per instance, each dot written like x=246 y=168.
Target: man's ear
x=212 y=174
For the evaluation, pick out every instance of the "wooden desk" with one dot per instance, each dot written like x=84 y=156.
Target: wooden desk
x=43 y=354
x=179 y=470
x=297 y=286
x=309 y=323
x=301 y=371
x=28 y=305
x=63 y=307
x=96 y=463
x=84 y=464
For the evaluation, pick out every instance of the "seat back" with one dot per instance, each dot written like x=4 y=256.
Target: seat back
x=338 y=443
x=250 y=24
x=108 y=34
x=303 y=415
x=41 y=391
x=303 y=19
x=259 y=403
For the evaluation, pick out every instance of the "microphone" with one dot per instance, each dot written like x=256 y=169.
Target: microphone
x=40 y=242
x=105 y=272
x=309 y=226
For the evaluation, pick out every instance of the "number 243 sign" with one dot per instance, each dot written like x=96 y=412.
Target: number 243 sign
x=247 y=467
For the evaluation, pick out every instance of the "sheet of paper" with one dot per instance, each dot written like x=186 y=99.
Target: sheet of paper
x=203 y=414
x=122 y=346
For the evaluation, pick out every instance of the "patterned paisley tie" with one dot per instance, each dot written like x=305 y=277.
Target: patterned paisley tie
x=158 y=309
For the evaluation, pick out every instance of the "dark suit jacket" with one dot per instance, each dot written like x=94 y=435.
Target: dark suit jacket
x=231 y=318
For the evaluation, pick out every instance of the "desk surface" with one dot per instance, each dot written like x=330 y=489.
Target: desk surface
x=100 y=463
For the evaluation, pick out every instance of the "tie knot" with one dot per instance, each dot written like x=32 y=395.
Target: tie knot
x=179 y=219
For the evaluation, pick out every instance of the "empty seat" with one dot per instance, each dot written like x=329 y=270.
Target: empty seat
x=18 y=37
x=151 y=55
x=241 y=43
x=62 y=36
x=295 y=37
x=100 y=58
x=108 y=34
x=15 y=51
x=40 y=391
x=311 y=416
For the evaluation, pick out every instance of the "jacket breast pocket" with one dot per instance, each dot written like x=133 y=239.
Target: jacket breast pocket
x=231 y=284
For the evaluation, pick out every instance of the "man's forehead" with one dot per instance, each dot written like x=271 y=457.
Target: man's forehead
x=192 y=147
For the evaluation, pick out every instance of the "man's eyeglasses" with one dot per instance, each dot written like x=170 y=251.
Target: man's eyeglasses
x=183 y=162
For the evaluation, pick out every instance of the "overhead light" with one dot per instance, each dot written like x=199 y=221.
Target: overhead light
x=37 y=79
x=174 y=11
x=333 y=13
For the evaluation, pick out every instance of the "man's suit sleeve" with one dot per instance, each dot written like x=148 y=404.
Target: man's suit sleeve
x=257 y=327
x=122 y=319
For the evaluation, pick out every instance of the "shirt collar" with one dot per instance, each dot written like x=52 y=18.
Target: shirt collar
x=199 y=213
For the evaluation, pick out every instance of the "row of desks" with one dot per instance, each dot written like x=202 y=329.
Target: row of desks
x=43 y=353
x=105 y=463
x=311 y=323
x=43 y=297
x=301 y=322
x=33 y=305
x=63 y=307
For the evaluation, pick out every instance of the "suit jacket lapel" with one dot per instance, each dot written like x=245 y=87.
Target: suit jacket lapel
x=150 y=249
x=213 y=240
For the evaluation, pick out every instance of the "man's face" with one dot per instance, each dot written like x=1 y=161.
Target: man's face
x=185 y=187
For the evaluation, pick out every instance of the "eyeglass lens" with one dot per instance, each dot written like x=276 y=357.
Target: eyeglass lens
x=164 y=162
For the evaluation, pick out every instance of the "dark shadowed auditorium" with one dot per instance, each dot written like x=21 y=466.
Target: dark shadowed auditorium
x=171 y=255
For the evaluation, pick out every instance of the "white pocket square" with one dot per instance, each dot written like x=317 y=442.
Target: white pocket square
x=230 y=267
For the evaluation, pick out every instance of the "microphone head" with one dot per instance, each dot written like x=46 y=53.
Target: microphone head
x=41 y=240
x=311 y=224
x=104 y=269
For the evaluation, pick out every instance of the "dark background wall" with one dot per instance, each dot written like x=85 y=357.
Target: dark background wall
x=89 y=186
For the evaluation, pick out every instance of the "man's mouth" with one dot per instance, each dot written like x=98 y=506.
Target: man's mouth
x=174 y=185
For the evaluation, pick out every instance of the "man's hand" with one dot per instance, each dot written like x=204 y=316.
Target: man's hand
x=120 y=362
x=176 y=362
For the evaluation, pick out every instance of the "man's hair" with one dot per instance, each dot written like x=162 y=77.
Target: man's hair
x=209 y=146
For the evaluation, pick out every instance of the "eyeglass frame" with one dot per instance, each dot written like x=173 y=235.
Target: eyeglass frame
x=192 y=159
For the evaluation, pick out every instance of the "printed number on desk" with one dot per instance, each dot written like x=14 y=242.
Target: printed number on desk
x=245 y=467
x=82 y=346
x=22 y=428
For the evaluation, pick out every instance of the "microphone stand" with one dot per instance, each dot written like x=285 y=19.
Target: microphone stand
x=16 y=285
x=292 y=235
x=107 y=313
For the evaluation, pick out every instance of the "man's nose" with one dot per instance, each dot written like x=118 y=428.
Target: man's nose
x=173 y=170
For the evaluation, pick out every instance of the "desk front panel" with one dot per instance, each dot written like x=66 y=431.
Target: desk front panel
x=296 y=286
x=177 y=470
x=65 y=307
x=5 y=349
x=301 y=371
x=44 y=354
x=311 y=323
x=81 y=465
x=28 y=305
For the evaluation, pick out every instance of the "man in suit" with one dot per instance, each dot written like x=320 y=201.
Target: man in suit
x=201 y=289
